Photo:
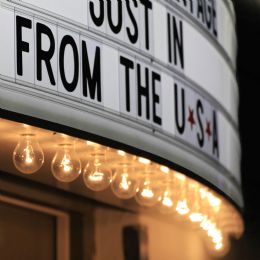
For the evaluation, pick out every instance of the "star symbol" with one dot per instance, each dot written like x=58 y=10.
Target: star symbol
x=191 y=119
x=208 y=129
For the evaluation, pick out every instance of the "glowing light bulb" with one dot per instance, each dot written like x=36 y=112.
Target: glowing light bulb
x=206 y=224
x=124 y=184
x=166 y=205
x=66 y=166
x=148 y=193
x=164 y=169
x=28 y=156
x=144 y=161
x=218 y=246
x=182 y=207
x=196 y=217
x=96 y=176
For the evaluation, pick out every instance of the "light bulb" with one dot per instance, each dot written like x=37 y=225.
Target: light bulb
x=66 y=166
x=196 y=217
x=124 y=184
x=148 y=193
x=167 y=202
x=97 y=176
x=195 y=204
x=182 y=207
x=28 y=156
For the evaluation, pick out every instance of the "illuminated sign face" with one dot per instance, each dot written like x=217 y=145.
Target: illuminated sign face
x=156 y=76
x=141 y=85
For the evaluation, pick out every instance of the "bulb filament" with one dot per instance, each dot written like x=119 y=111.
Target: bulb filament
x=167 y=202
x=124 y=184
x=66 y=163
x=182 y=207
x=29 y=154
x=147 y=193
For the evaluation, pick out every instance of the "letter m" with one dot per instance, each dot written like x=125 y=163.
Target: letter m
x=91 y=81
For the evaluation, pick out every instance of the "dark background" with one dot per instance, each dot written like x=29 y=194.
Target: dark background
x=248 y=31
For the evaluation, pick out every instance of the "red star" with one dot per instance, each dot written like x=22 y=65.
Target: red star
x=191 y=119
x=208 y=129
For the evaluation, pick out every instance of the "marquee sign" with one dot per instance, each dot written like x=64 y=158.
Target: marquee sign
x=142 y=64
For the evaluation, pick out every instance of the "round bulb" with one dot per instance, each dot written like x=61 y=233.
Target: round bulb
x=28 y=156
x=96 y=176
x=124 y=184
x=196 y=217
x=148 y=193
x=167 y=202
x=66 y=166
x=182 y=207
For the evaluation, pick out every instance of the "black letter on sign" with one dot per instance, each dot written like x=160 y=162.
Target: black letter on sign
x=169 y=38
x=115 y=28
x=200 y=11
x=147 y=5
x=91 y=82
x=98 y=21
x=215 y=31
x=209 y=15
x=128 y=65
x=215 y=135
x=200 y=110
x=191 y=6
x=178 y=42
x=21 y=46
x=156 y=98
x=44 y=55
x=181 y=128
x=68 y=40
x=132 y=37
x=143 y=91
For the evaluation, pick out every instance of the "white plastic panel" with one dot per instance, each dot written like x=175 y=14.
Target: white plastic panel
x=110 y=78
x=7 y=68
x=75 y=10
x=205 y=67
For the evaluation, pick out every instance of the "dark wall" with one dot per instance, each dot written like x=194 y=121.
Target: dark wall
x=248 y=30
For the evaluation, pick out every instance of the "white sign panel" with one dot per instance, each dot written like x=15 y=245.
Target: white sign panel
x=173 y=43
x=134 y=21
x=61 y=61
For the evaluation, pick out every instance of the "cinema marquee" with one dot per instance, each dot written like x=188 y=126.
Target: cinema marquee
x=132 y=104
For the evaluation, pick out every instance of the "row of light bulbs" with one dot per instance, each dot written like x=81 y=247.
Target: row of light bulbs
x=139 y=178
